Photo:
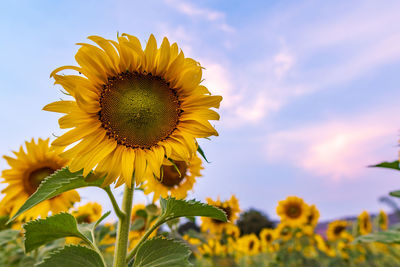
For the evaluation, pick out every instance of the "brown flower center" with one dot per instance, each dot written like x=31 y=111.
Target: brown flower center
x=251 y=245
x=338 y=230
x=138 y=110
x=293 y=211
x=171 y=176
x=268 y=237
x=35 y=177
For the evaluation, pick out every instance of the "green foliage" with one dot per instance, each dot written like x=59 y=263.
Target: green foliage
x=162 y=252
x=395 y=193
x=253 y=221
x=387 y=237
x=174 y=208
x=59 y=182
x=42 y=231
x=76 y=256
x=389 y=165
x=201 y=152
x=8 y=235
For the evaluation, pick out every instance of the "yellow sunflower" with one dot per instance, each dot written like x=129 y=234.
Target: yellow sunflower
x=88 y=213
x=293 y=210
x=383 y=220
x=323 y=246
x=248 y=244
x=284 y=231
x=313 y=216
x=364 y=223
x=212 y=247
x=267 y=236
x=132 y=108
x=28 y=169
x=336 y=229
x=173 y=183
x=231 y=208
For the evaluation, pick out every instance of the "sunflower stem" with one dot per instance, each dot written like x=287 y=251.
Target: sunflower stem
x=132 y=254
x=114 y=203
x=124 y=222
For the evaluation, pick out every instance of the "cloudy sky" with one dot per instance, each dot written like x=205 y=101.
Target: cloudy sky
x=311 y=89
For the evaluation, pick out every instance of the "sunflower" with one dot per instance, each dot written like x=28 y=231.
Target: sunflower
x=88 y=213
x=336 y=229
x=173 y=183
x=28 y=170
x=248 y=244
x=313 y=216
x=132 y=108
x=293 y=210
x=383 y=220
x=140 y=220
x=267 y=236
x=231 y=209
x=232 y=231
x=212 y=247
x=323 y=246
x=284 y=231
x=364 y=223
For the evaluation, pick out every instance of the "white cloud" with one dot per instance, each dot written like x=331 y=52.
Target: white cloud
x=340 y=148
x=213 y=16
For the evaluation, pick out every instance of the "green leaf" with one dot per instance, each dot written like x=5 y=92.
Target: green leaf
x=137 y=224
x=162 y=252
x=388 y=237
x=76 y=256
x=173 y=208
x=59 y=182
x=389 y=165
x=41 y=231
x=8 y=235
x=201 y=152
x=152 y=209
x=395 y=193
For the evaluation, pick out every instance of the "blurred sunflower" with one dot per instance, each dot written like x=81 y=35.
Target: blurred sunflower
x=173 y=183
x=283 y=231
x=232 y=230
x=139 y=224
x=313 y=216
x=132 y=108
x=323 y=246
x=267 y=236
x=336 y=229
x=231 y=209
x=248 y=244
x=212 y=247
x=383 y=220
x=28 y=170
x=293 y=210
x=364 y=223
x=87 y=213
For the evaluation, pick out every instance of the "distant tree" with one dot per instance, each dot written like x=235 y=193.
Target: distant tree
x=183 y=228
x=253 y=221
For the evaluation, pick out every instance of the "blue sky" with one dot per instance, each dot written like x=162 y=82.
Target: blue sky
x=311 y=89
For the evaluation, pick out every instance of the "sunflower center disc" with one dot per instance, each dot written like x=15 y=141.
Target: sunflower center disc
x=171 y=177
x=294 y=212
x=138 y=110
x=338 y=230
x=36 y=177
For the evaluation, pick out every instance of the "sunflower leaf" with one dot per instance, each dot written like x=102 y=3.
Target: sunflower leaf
x=387 y=237
x=42 y=231
x=388 y=165
x=174 y=208
x=201 y=152
x=162 y=252
x=59 y=182
x=8 y=235
x=77 y=256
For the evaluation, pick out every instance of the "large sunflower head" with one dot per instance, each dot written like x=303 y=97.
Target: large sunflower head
x=336 y=229
x=231 y=209
x=132 y=108
x=383 y=220
x=364 y=223
x=173 y=183
x=30 y=166
x=293 y=210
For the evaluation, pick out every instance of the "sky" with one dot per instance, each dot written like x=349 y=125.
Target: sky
x=311 y=90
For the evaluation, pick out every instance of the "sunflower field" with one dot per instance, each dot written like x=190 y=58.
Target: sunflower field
x=132 y=115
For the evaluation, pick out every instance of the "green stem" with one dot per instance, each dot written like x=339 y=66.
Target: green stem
x=132 y=254
x=114 y=203
x=124 y=222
